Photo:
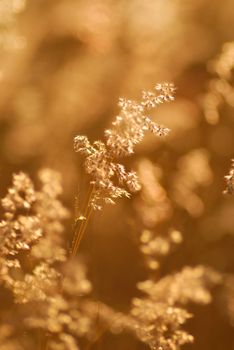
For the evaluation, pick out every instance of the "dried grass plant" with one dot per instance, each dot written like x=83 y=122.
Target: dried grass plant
x=48 y=285
x=131 y=265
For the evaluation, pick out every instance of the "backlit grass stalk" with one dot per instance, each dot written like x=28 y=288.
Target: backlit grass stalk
x=80 y=229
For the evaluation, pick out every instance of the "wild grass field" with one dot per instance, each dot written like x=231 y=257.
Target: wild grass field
x=116 y=175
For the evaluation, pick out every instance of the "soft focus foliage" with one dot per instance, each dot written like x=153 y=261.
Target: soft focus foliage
x=63 y=66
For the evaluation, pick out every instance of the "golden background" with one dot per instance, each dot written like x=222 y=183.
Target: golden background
x=63 y=66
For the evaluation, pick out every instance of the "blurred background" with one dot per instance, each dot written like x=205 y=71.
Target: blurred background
x=63 y=66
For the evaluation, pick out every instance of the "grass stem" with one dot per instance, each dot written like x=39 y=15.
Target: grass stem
x=80 y=230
